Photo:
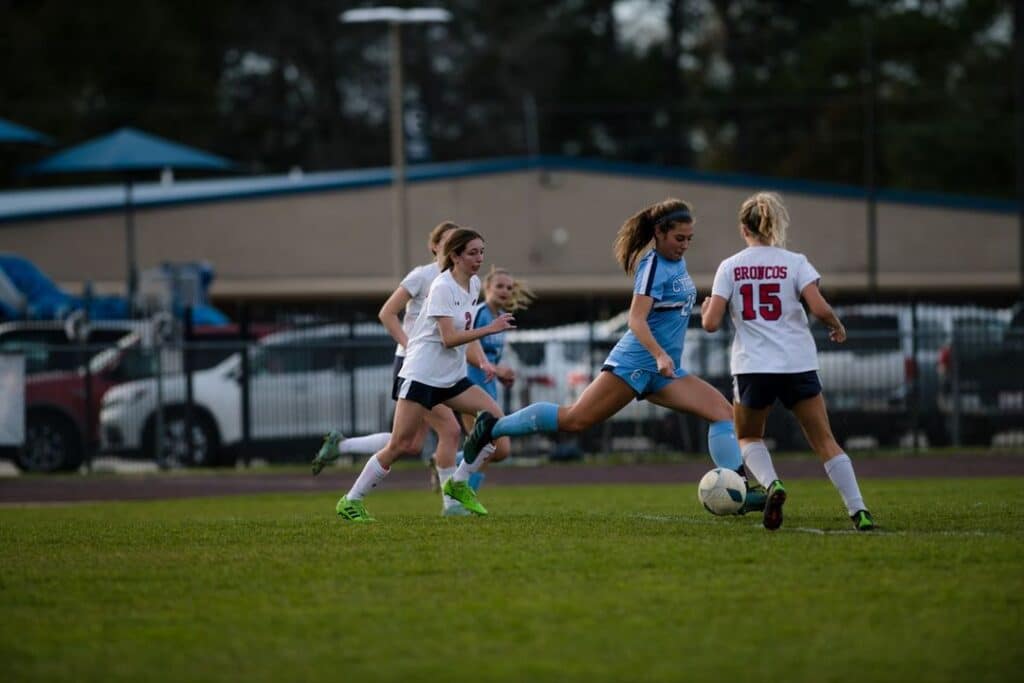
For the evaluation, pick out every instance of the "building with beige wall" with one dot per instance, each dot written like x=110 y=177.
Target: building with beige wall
x=329 y=235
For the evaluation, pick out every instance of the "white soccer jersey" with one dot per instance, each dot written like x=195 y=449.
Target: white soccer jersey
x=427 y=360
x=762 y=286
x=417 y=283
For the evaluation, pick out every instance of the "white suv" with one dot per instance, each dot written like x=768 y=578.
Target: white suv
x=302 y=383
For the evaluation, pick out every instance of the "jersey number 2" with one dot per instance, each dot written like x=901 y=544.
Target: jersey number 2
x=769 y=303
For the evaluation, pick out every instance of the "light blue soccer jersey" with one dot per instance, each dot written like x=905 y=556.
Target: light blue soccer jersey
x=493 y=345
x=674 y=294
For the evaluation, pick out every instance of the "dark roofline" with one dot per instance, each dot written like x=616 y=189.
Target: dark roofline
x=283 y=185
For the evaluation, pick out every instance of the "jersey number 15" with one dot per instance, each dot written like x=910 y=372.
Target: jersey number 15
x=769 y=305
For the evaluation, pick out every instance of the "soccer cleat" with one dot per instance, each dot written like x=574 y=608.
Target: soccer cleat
x=353 y=510
x=328 y=451
x=479 y=436
x=773 y=505
x=754 y=501
x=461 y=491
x=862 y=520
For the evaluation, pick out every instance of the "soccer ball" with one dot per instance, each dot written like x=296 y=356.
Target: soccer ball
x=722 y=492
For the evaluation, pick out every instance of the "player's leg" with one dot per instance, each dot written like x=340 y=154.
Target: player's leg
x=757 y=461
x=405 y=439
x=474 y=400
x=449 y=432
x=605 y=396
x=812 y=415
x=691 y=394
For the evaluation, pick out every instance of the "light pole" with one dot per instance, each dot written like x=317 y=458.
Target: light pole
x=394 y=17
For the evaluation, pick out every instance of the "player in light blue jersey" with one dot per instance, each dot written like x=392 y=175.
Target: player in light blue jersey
x=645 y=364
x=502 y=294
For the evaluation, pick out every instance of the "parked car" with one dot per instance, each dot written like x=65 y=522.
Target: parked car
x=888 y=368
x=62 y=407
x=302 y=383
x=982 y=378
x=51 y=345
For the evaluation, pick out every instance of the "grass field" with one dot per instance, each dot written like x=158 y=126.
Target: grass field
x=584 y=583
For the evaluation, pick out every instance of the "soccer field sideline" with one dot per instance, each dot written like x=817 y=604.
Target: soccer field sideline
x=184 y=484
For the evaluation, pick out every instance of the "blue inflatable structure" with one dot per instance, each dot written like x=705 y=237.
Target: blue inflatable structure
x=26 y=293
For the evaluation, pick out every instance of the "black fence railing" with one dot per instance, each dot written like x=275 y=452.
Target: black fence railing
x=905 y=379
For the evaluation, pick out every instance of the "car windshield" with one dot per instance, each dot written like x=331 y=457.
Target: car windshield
x=867 y=333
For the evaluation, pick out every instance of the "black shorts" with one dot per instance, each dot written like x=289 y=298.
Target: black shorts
x=759 y=390
x=397 y=381
x=428 y=396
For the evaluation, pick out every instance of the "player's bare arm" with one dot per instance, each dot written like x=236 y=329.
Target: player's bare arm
x=639 y=309
x=452 y=337
x=821 y=310
x=389 y=312
x=712 y=310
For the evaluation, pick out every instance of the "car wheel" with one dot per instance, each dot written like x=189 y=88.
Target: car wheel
x=174 y=451
x=51 y=445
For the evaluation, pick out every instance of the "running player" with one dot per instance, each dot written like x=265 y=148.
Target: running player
x=410 y=297
x=645 y=364
x=502 y=293
x=434 y=374
x=773 y=352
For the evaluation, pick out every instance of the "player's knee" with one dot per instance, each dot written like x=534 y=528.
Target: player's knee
x=403 y=446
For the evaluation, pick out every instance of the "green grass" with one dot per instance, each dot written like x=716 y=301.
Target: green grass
x=622 y=583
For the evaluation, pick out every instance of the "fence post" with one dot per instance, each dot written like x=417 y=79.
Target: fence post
x=915 y=387
x=243 y=327
x=186 y=364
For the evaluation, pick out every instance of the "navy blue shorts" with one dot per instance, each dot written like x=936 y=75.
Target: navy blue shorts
x=759 y=390
x=428 y=396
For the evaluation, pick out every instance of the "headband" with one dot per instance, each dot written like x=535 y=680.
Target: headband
x=677 y=215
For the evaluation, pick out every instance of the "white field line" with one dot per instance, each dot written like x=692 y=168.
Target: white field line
x=830 y=532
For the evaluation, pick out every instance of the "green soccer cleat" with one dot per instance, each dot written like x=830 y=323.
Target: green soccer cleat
x=462 y=492
x=328 y=452
x=353 y=510
x=458 y=510
x=479 y=436
x=773 y=505
x=754 y=501
x=862 y=520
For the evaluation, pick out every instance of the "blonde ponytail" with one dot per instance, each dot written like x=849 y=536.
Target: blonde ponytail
x=765 y=216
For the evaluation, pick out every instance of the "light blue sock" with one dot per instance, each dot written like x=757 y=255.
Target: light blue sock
x=476 y=480
x=538 y=417
x=725 y=449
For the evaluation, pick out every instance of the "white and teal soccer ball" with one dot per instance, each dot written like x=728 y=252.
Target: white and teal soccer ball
x=721 y=492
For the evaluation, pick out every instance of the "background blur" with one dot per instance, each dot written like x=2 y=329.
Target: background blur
x=892 y=127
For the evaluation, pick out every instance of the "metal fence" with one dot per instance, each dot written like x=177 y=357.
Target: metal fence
x=909 y=377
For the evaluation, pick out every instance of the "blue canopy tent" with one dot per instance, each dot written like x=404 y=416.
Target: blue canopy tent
x=14 y=133
x=129 y=152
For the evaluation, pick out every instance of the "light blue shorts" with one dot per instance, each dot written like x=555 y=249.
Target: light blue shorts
x=643 y=382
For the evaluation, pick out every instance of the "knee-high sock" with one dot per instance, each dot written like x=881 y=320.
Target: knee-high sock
x=758 y=462
x=476 y=480
x=538 y=417
x=840 y=471
x=361 y=445
x=724 y=448
x=373 y=474
x=466 y=470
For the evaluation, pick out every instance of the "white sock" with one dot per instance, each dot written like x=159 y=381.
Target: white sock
x=364 y=445
x=840 y=471
x=758 y=462
x=465 y=470
x=373 y=473
x=443 y=475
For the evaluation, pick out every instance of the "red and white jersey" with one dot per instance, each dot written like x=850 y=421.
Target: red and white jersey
x=762 y=286
x=426 y=359
x=417 y=283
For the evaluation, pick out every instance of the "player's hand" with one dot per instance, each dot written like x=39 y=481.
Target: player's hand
x=488 y=371
x=837 y=334
x=505 y=375
x=503 y=322
x=666 y=367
